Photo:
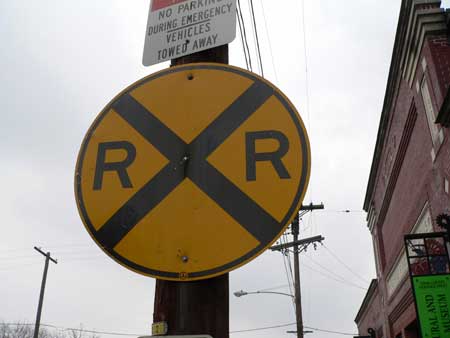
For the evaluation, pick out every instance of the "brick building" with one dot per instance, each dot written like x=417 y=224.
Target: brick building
x=409 y=179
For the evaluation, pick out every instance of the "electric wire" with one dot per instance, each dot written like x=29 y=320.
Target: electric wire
x=27 y=261
x=137 y=334
x=335 y=279
x=256 y=38
x=287 y=257
x=269 y=41
x=245 y=34
x=329 y=271
x=18 y=266
x=263 y=328
x=330 y=274
x=289 y=277
x=345 y=265
x=63 y=247
x=78 y=330
x=347 y=211
x=306 y=65
x=242 y=39
x=308 y=106
x=329 y=331
x=276 y=287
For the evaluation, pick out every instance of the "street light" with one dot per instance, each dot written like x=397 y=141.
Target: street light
x=241 y=293
x=245 y=293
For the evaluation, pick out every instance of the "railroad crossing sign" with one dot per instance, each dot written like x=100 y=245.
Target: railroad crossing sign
x=192 y=172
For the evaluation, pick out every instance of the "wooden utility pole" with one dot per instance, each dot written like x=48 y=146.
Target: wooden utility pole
x=296 y=243
x=298 y=297
x=48 y=258
x=199 y=307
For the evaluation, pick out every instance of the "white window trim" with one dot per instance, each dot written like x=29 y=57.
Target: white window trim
x=436 y=138
x=399 y=270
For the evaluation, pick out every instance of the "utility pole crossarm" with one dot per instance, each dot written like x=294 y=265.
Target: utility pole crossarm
x=46 y=254
x=298 y=242
x=311 y=207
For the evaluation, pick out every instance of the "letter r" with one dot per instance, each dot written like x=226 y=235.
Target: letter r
x=119 y=167
x=273 y=157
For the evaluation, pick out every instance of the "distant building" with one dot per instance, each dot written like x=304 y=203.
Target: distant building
x=409 y=179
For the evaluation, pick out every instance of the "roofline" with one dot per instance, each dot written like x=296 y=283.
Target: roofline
x=391 y=90
x=367 y=298
x=393 y=72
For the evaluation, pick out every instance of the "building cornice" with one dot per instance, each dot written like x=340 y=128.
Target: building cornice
x=367 y=300
x=418 y=18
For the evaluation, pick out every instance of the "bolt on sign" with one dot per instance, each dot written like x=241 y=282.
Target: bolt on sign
x=180 y=27
x=429 y=269
x=193 y=171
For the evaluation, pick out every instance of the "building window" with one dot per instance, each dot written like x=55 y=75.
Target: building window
x=377 y=255
x=397 y=274
x=424 y=224
x=430 y=112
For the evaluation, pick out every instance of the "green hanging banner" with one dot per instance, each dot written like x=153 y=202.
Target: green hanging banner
x=429 y=269
x=433 y=304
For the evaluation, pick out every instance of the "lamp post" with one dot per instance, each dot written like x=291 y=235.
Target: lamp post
x=241 y=293
x=245 y=293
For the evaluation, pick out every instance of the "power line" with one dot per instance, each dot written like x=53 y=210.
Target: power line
x=14 y=267
x=128 y=334
x=242 y=39
x=276 y=287
x=345 y=265
x=347 y=211
x=263 y=328
x=329 y=271
x=244 y=31
x=335 y=279
x=64 y=246
x=288 y=267
x=255 y=31
x=329 y=331
x=308 y=107
x=79 y=330
x=306 y=62
x=268 y=39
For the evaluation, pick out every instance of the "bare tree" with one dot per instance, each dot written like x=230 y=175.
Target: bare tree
x=23 y=330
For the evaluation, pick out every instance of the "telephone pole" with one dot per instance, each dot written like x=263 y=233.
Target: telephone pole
x=296 y=243
x=41 y=296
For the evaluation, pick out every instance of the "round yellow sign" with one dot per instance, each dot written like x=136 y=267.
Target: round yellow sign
x=192 y=171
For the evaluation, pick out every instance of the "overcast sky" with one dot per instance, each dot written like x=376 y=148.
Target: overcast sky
x=62 y=62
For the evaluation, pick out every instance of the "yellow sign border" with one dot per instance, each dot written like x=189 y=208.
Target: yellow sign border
x=295 y=206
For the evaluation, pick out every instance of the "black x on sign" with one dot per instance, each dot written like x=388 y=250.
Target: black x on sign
x=192 y=171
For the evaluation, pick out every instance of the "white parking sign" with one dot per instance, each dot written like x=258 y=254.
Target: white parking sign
x=181 y=27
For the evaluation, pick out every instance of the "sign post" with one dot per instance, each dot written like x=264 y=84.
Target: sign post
x=199 y=306
x=429 y=270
